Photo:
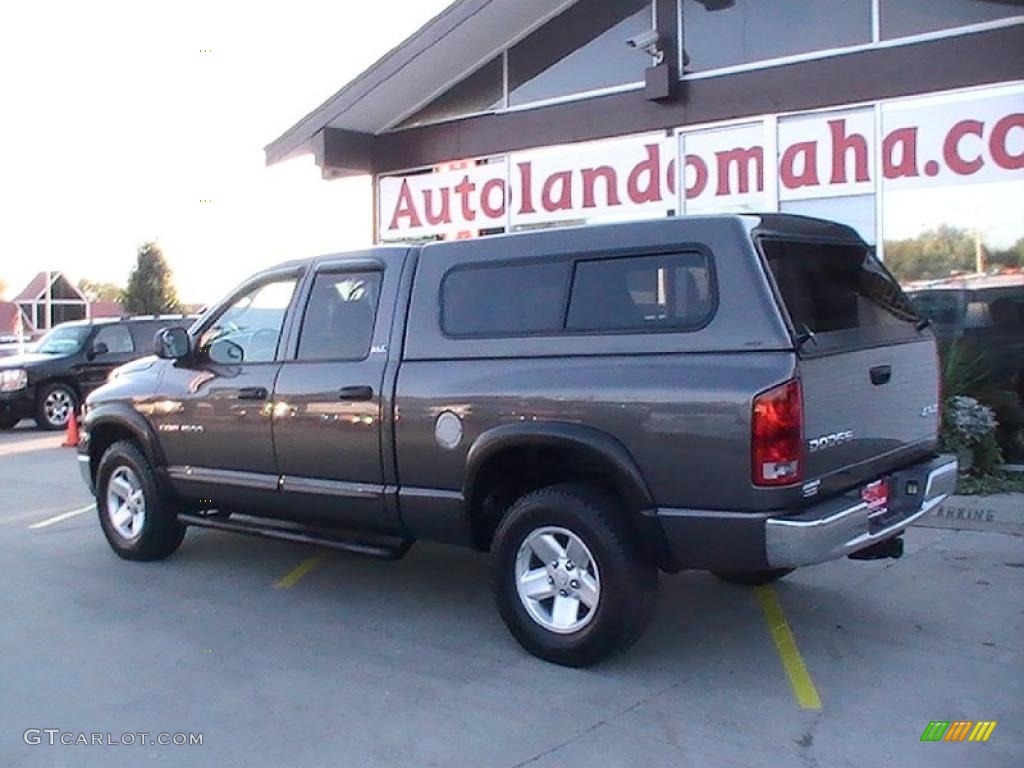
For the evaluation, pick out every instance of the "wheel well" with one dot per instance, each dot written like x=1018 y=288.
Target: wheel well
x=516 y=471
x=102 y=437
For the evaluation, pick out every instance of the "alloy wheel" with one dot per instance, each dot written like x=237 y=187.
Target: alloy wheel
x=557 y=580
x=126 y=503
x=58 y=406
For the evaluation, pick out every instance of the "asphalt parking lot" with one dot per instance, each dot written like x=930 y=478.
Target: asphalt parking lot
x=282 y=655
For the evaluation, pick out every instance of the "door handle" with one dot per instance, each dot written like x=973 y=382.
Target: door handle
x=356 y=393
x=253 y=393
x=881 y=374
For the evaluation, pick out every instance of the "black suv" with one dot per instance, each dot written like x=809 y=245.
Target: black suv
x=69 y=362
x=739 y=394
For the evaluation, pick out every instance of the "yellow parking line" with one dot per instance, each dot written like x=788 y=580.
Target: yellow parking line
x=296 y=574
x=799 y=678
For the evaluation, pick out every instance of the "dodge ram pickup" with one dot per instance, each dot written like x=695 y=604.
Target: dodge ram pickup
x=740 y=394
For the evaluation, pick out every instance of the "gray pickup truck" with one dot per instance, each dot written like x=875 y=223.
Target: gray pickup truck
x=740 y=394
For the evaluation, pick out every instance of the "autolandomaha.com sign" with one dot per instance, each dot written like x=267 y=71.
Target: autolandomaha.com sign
x=931 y=141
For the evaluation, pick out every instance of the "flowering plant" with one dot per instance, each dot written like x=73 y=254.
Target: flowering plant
x=969 y=429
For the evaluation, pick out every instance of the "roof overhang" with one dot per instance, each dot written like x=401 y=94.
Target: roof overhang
x=454 y=44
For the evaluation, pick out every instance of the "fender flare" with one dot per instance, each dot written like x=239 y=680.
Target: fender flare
x=124 y=417
x=600 y=445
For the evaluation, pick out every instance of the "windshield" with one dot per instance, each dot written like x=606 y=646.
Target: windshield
x=64 y=340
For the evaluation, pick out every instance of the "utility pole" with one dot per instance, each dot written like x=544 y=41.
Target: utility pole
x=979 y=253
x=48 y=306
x=19 y=328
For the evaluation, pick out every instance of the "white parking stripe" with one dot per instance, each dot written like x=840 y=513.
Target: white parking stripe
x=62 y=517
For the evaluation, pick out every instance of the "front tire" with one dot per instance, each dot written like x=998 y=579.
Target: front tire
x=753 y=578
x=8 y=421
x=54 y=405
x=568 y=578
x=138 y=522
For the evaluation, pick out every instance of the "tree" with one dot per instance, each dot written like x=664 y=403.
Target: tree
x=100 y=291
x=1009 y=257
x=150 y=290
x=931 y=255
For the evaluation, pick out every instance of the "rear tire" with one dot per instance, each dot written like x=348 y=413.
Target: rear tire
x=8 y=422
x=753 y=578
x=138 y=522
x=54 y=405
x=560 y=610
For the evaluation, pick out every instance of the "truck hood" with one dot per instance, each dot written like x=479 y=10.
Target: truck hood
x=28 y=360
x=142 y=364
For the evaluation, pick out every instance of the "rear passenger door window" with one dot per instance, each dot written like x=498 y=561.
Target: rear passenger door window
x=642 y=293
x=340 y=316
x=113 y=341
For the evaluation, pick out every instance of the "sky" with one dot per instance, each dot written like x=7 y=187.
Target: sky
x=116 y=122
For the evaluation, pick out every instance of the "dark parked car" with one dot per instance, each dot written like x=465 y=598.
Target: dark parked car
x=986 y=315
x=741 y=394
x=70 y=361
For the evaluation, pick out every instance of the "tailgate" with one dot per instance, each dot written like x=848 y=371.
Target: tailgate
x=875 y=403
x=867 y=363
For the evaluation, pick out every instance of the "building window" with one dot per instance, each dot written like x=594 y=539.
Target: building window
x=826 y=163
x=900 y=18
x=482 y=91
x=857 y=211
x=953 y=181
x=724 y=33
x=582 y=49
x=726 y=169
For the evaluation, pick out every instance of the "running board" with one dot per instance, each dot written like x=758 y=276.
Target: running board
x=281 y=532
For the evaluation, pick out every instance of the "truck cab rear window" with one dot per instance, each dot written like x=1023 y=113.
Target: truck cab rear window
x=833 y=287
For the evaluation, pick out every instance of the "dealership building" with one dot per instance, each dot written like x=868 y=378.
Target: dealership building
x=898 y=117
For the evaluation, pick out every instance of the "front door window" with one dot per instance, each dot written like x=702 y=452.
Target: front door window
x=249 y=330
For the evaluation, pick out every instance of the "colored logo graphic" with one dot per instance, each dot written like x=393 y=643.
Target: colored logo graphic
x=958 y=730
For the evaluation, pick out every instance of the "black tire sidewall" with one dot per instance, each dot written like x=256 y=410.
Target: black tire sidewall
x=45 y=392
x=161 y=532
x=625 y=578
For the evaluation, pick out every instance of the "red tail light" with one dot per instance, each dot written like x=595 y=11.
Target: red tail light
x=778 y=436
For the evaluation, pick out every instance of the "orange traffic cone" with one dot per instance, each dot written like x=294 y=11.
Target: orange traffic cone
x=71 y=437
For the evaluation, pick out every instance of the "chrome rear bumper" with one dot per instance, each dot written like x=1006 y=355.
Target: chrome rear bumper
x=845 y=525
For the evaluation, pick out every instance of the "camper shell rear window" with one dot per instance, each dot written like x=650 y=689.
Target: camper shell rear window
x=838 y=295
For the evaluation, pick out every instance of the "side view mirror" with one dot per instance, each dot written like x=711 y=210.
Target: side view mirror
x=226 y=352
x=99 y=348
x=173 y=343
